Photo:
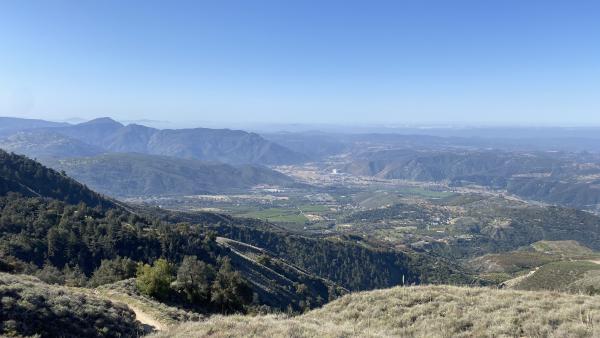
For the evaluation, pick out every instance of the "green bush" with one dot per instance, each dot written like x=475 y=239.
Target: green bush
x=194 y=279
x=155 y=280
x=113 y=270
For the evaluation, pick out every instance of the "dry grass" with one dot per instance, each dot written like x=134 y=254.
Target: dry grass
x=126 y=293
x=567 y=249
x=29 y=307
x=572 y=276
x=426 y=311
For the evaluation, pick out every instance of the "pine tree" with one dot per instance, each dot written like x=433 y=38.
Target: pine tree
x=194 y=279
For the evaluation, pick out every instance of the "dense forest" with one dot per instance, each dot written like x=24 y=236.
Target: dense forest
x=30 y=178
x=39 y=230
x=344 y=261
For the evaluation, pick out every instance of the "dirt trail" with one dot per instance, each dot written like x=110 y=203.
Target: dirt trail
x=513 y=282
x=146 y=319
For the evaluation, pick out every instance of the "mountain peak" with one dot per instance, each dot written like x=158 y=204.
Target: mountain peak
x=102 y=121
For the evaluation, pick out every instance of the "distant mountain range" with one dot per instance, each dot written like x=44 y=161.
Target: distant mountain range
x=125 y=175
x=319 y=144
x=559 y=178
x=38 y=138
x=10 y=125
x=134 y=160
x=419 y=165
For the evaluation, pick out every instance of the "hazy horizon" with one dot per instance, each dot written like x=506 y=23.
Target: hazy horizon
x=277 y=127
x=334 y=62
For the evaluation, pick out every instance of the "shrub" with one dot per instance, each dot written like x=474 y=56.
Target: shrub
x=113 y=270
x=423 y=311
x=50 y=274
x=194 y=279
x=31 y=307
x=155 y=280
x=74 y=276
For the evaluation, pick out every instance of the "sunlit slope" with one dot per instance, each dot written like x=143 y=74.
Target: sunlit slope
x=30 y=307
x=423 y=311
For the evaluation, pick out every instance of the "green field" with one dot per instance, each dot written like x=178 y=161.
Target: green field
x=314 y=208
x=277 y=215
x=422 y=192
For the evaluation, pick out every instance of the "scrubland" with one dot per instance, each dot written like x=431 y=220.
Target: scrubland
x=421 y=311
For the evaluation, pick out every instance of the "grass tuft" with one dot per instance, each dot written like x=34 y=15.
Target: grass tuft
x=422 y=311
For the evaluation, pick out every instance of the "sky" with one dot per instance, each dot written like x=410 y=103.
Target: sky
x=520 y=62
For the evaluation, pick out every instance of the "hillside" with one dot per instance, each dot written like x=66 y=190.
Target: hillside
x=566 y=276
x=560 y=178
x=424 y=311
x=9 y=125
x=47 y=237
x=36 y=230
x=222 y=145
x=55 y=226
x=127 y=175
x=426 y=165
x=30 y=307
x=471 y=225
x=255 y=267
x=47 y=144
x=351 y=264
x=30 y=178
x=278 y=282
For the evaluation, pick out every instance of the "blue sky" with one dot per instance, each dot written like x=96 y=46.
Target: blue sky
x=349 y=62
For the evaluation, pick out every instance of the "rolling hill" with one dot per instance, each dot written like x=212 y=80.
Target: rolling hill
x=126 y=175
x=416 y=165
x=577 y=276
x=422 y=311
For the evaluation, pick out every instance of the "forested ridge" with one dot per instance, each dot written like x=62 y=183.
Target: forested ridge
x=350 y=264
x=30 y=178
x=37 y=230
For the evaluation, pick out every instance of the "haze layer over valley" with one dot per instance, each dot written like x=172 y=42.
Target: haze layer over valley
x=299 y=168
